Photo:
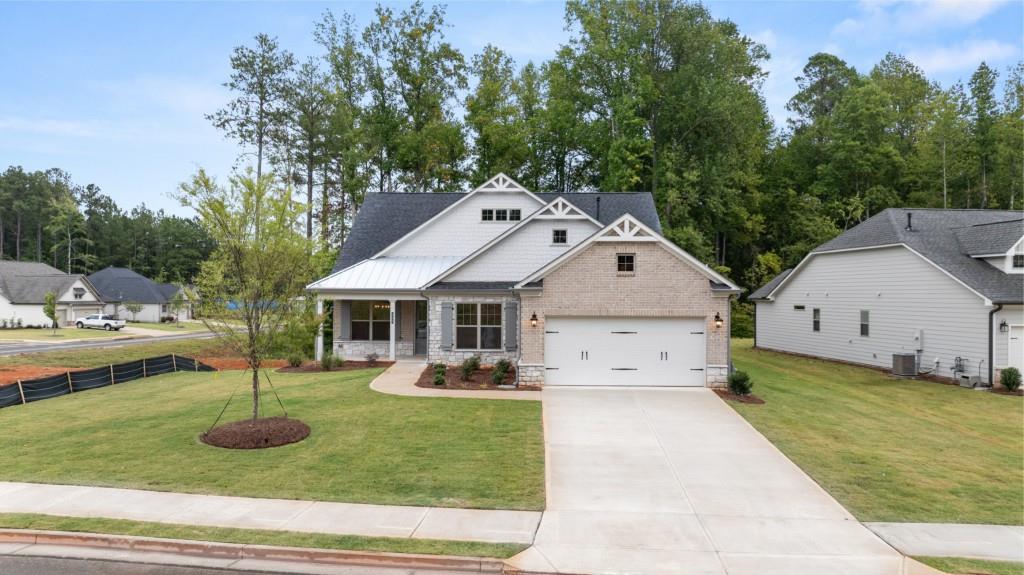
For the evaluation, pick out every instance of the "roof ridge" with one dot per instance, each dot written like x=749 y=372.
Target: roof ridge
x=1021 y=219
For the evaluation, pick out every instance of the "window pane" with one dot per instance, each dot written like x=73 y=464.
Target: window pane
x=490 y=337
x=864 y=315
x=864 y=329
x=490 y=314
x=360 y=330
x=501 y=215
x=465 y=338
x=515 y=215
x=381 y=310
x=381 y=331
x=625 y=262
x=487 y=215
x=559 y=236
x=465 y=314
x=360 y=310
x=1018 y=260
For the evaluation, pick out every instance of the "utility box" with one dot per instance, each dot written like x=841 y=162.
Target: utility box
x=904 y=364
x=971 y=381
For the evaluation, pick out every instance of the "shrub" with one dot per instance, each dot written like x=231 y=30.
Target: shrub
x=327 y=362
x=503 y=364
x=468 y=367
x=498 y=375
x=371 y=359
x=739 y=383
x=1010 y=378
x=440 y=370
x=19 y=322
x=295 y=359
x=3 y=324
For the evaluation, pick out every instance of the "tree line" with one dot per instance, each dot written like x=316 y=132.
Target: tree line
x=651 y=95
x=46 y=217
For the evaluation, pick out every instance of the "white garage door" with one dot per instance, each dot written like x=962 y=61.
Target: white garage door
x=624 y=351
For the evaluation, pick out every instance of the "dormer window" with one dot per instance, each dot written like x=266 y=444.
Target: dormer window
x=559 y=236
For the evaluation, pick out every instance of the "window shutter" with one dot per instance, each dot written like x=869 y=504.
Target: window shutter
x=345 y=308
x=511 y=325
x=398 y=320
x=447 y=324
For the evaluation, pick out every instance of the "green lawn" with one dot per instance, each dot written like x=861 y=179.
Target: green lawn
x=61 y=334
x=182 y=327
x=960 y=566
x=365 y=446
x=890 y=449
x=259 y=536
x=94 y=357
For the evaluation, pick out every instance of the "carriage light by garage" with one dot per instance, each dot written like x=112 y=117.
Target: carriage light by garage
x=533 y=320
x=1004 y=327
x=718 y=320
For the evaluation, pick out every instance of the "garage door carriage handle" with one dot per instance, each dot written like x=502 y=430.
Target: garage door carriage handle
x=696 y=369
x=546 y=331
x=624 y=332
x=696 y=333
x=624 y=369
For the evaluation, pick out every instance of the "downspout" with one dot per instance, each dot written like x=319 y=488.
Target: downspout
x=519 y=334
x=728 y=336
x=991 y=367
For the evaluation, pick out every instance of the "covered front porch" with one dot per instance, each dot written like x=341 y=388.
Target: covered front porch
x=389 y=325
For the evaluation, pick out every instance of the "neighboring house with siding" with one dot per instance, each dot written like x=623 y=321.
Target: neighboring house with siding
x=946 y=285
x=120 y=286
x=23 y=289
x=573 y=289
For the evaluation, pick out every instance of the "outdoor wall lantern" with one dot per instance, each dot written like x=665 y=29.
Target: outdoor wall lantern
x=1004 y=327
x=533 y=320
x=718 y=320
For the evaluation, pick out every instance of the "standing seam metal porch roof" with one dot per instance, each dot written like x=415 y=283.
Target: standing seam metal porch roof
x=387 y=273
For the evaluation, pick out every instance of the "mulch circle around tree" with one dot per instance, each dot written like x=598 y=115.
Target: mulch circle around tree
x=350 y=365
x=749 y=398
x=481 y=379
x=260 y=434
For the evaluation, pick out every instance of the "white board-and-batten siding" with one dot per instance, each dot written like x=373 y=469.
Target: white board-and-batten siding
x=525 y=251
x=902 y=292
x=460 y=232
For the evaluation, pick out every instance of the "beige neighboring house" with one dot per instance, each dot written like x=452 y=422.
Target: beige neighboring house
x=23 y=289
x=574 y=289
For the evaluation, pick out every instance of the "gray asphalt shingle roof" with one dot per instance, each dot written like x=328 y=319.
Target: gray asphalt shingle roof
x=125 y=285
x=385 y=218
x=29 y=282
x=937 y=235
x=763 y=291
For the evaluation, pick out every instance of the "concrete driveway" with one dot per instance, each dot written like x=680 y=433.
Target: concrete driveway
x=675 y=481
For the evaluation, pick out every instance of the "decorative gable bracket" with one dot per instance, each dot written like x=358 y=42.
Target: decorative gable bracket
x=500 y=183
x=626 y=230
x=560 y=209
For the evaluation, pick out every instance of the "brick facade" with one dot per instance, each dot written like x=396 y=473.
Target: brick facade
x=589 y=285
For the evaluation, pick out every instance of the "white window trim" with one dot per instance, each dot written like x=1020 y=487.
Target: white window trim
x=564 y=231
x=478 y=326
x=861 y=323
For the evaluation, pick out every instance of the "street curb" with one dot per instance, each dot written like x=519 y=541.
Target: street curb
x=263 y=552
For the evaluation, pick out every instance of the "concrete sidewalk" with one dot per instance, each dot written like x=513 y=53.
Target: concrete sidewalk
x=400 y=379
x=491 y=526
x=998 y=542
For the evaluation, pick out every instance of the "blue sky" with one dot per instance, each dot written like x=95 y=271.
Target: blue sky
x=115 y=93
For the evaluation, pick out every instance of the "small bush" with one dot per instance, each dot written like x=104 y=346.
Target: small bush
x=469 y=366
x=739 y=383
x=19 y=322
x=327 y=363
x=498 y=376
x=295 y=359
x=1010 y=378
x=371 y=359
x=503 y=364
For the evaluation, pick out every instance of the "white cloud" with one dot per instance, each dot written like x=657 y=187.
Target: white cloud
x=886 y=17
x=766 y=37
x=51 y=127
x=963 y=57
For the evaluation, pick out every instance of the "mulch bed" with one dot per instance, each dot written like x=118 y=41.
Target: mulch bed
x=235 y=363
x=749 y=398
x=312 y=366
x=1004 y=391
x=481 y=379
x=262 y=433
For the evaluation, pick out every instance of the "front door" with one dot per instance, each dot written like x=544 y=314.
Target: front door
x=420 y=347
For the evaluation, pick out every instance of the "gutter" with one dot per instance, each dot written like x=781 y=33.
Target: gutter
x=991 y=367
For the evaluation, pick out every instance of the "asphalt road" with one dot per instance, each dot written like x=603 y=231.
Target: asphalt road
x=27 y=565
x=15 y=348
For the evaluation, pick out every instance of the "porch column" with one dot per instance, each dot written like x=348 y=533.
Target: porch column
x=391 y=344
x=318 y=352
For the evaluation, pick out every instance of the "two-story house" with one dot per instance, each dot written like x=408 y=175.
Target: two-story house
x=574 y=289
x=944 y=285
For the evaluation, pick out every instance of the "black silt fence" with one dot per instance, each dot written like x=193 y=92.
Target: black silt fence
x=31 y=390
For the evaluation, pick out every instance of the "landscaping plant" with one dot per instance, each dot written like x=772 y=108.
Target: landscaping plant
x=501 y=368
x=327 y=362
x=1010 y=378
x=295 y=359
x=739 y=383
x=440 y=370
x=371 y=359
x=469 y=366
x=50 y=309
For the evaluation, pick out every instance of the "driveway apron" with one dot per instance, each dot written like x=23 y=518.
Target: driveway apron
x=674 y=481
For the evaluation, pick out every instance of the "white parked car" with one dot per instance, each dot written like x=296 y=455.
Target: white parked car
x=100 y=321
